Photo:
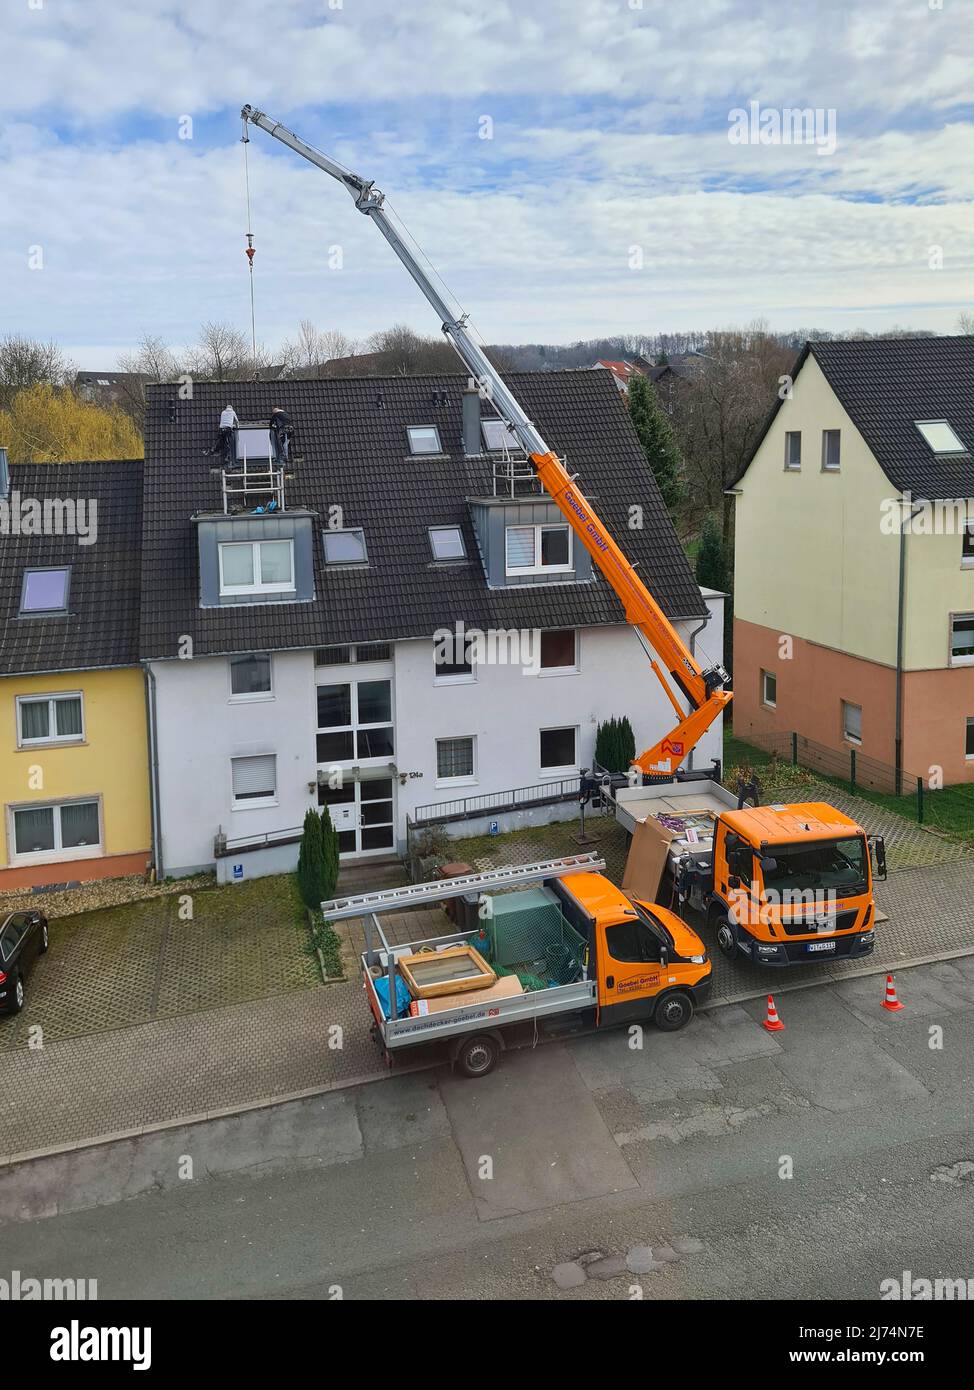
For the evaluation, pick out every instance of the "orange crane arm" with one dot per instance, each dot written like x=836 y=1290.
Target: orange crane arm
x=704 y=690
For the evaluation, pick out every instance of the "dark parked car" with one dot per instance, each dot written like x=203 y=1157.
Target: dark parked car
x=23 y=937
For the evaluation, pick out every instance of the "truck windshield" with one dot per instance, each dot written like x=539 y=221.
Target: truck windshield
x=838 y=864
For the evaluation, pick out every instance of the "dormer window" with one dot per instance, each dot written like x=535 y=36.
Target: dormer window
x=538 y=550
x=45 y=591
x=346 y=547
x=446 y=543
x=423 y=439
x=940 y=436
x=498 y=436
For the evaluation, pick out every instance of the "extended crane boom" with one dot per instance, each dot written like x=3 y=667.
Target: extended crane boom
x=703 y=689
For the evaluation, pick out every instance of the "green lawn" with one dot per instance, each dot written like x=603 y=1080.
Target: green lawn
x=950 y=810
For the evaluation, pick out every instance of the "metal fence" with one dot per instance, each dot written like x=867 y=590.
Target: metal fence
x=495 y=803
x=950 y=809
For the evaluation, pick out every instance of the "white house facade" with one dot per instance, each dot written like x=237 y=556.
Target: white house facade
x=293 y=619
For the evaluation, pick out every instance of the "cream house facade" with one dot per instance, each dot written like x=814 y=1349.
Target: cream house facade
x=854 y=567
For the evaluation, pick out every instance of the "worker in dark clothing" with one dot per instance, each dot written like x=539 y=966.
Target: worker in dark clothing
x=281 y=432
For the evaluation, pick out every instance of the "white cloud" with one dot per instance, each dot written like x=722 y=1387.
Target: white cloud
x=610 y=131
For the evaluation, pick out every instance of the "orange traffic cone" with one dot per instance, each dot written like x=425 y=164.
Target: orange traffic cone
x=772 y=1023
x=891 y=1002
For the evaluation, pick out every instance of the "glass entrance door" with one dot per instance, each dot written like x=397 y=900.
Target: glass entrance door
x=363 y=811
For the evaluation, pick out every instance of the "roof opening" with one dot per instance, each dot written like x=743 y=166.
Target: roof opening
x=447 y=543
x=45 y=591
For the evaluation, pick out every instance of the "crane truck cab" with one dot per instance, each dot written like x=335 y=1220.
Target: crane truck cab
x=792 y=884
x=648 y=963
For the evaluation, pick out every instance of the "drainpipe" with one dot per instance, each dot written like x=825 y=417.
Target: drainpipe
x=900 y=622
x=150 y=719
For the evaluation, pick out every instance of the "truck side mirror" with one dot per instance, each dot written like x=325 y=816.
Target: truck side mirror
x=733 y=881
x=664 y=957
x=878 y=846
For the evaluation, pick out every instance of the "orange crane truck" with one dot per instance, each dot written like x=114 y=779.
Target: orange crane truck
x=543 y=951
x=817 y=848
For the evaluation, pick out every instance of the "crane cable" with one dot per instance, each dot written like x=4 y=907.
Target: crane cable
x=250 y=251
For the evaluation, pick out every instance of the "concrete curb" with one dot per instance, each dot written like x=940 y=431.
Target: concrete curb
x=267 y=1102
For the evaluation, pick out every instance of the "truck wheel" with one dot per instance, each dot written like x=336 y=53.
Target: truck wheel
x=726 y=940
x=478 y=1056
x=673 y=1011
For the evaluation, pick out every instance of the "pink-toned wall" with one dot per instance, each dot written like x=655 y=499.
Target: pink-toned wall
x=71 y=870
x=815 y=681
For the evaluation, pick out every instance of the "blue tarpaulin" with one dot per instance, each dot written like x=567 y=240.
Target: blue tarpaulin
x=403 y=997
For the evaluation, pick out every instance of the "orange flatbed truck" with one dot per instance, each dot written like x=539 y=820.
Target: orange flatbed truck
x=607 y=962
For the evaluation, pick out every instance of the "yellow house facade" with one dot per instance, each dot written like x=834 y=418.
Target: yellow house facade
x=74 y=763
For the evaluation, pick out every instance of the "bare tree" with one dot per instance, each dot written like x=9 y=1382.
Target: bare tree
x=151 y=361
x=223 y=353
x=719 y=408
x=965 y=324
x=309 y=353
x=399 y=351
x=24 y=362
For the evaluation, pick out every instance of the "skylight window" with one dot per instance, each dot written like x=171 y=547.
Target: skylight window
x=447 y=543
x=424 y=439
x=253 y=444
x=499 y=435
x=940 y=436
x=346 y=547
x=45 y=591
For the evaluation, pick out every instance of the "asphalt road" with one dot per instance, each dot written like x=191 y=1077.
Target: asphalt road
x=568 y=1162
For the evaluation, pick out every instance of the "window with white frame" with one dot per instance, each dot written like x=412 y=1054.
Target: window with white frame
x=769 y=689
x=830 y=451
x=793 y=450
x=250 y=676
x=50 y=719
x=962 y=639
x=71 y=829
x=559 y=650
x=453 y=657
x=544 y=549
x=355 y=721
x=455 y=759
x=558 y=749
x=256 y=567
x=254 y=781
x=851 y=722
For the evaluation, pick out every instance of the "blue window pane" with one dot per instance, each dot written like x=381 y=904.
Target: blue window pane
x=45 y=591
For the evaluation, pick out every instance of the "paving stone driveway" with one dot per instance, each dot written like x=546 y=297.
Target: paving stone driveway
x=192 y=1063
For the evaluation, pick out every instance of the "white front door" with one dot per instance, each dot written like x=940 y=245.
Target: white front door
x=363 y=811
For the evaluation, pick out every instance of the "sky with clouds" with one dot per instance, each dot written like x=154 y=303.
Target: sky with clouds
x=609 y=124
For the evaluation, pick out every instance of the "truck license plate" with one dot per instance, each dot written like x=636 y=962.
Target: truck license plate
x=821 y=946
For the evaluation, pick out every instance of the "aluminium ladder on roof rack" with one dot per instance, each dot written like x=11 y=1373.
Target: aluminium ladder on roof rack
x=416 y=894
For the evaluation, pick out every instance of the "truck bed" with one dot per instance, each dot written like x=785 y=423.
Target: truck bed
x=468 y=1018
